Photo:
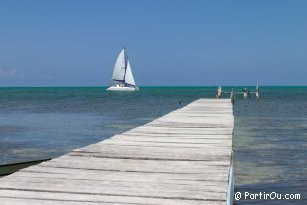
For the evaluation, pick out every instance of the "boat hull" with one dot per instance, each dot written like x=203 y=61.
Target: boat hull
x=117 y=88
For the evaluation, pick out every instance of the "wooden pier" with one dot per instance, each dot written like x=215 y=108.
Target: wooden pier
x=181 y=158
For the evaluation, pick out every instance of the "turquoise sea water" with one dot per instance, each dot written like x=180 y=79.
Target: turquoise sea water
x=270 y=139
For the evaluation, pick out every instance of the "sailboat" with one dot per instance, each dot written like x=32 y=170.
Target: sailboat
x=122 y=74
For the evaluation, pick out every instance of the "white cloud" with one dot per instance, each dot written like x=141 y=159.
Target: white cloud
x=9 y=73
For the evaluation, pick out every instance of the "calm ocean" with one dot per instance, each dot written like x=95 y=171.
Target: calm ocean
x=270 y=139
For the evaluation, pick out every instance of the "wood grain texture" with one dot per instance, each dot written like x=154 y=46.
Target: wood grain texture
x=180 y=158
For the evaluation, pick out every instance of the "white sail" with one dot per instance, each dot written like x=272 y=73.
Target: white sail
x=129 y=77
x=119 y=68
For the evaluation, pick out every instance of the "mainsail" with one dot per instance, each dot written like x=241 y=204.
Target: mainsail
x=120 y=67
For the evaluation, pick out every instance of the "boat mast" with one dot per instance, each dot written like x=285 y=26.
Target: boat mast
x=126 y=60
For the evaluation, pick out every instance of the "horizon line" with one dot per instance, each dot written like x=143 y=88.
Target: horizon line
x=103 y=86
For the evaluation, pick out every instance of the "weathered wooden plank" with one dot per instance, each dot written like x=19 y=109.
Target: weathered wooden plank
x=131 y=188
x=132 y=165
x=175 y=140
x=51 y=198
x=186 y=136
x=182 y=131
x=159 y=153
x=134 y=177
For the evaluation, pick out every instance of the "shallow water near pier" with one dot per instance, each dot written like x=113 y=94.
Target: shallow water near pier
x=270 y=136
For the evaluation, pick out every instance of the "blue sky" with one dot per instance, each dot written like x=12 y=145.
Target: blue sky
x=75 y=43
